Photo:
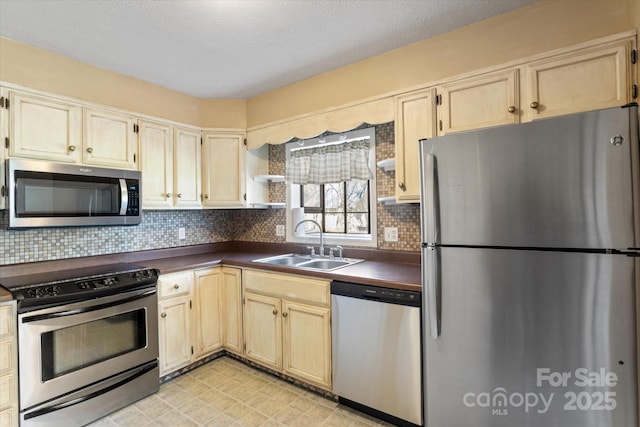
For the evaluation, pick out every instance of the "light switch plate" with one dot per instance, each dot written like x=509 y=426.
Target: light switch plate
x=182 y=233
x=279 y=230
x=391 y=234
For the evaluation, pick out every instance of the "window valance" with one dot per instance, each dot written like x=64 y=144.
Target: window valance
x=330 y=163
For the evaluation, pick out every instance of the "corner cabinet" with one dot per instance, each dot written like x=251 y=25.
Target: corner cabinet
x=200 y=312
x=586 y=79
x=414 y=120
x=8 y=365
x=287 y=325
x=224 y=169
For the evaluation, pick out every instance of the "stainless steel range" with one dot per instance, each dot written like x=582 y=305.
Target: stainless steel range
x=87 y=342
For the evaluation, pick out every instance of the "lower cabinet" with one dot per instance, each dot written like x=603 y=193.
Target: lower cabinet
x=199 y=314
x=287 y=325
x=8 y=365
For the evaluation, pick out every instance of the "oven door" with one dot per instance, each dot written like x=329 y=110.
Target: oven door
x=65 y=348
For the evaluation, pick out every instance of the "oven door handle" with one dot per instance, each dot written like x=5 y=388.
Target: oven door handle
x=58 y=314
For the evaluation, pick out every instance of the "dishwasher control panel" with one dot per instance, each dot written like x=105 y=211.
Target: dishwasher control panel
x=376 y=293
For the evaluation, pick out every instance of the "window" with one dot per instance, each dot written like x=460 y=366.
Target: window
x=345 y=210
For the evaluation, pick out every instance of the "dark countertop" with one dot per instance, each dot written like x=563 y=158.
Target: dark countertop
x=392 y=269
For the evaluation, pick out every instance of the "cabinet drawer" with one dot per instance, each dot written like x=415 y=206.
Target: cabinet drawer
x=288 y=287
x=7 y=321
x=175 y=284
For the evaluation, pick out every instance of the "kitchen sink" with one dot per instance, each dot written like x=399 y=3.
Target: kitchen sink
x=308 y=262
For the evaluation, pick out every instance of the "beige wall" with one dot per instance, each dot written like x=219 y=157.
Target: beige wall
x=539 y=27
x=47 y=71
x=536 y=28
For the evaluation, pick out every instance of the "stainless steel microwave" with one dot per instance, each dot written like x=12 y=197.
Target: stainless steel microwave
x=45 y=194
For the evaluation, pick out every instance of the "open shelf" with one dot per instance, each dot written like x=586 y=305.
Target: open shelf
x=268 y=178
x=389 y=200
x=387 y=164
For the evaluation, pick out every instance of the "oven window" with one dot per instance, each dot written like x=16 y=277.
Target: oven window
x=76 y=347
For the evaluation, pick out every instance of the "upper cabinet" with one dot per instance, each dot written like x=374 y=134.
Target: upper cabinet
x=110 y=139
x=4 y=136
x=586 y=79
x=223 y=174
x=477 y=102
x=44 y=128
x=187 y=168
x=414 y=120
x=50 y=129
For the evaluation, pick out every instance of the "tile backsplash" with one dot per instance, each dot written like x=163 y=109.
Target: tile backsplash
x=159 y=229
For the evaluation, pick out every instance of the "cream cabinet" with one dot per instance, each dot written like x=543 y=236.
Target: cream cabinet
x=231 y=310
x=156 y=164
x=187 y=168
x=224 y=169
x=4 y=136
x=44 y=128
x=586 y=79
x=207 y=299
x=287 y=325
x=175 y=292
x=414 y=120
x=110 y=139
x=8 y=365
x=487 y=100
x=170 y=166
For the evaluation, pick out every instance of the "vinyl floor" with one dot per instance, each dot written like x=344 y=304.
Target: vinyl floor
x=226 y=392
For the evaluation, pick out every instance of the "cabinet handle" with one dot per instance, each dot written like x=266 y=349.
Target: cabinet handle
x=275 y=312
x=89 y=150
x=206 y=196
x=163 y=315
x=285 y=314
x=402 y=186
x=72 y=148
x=511 y=109
x=167 y=196
x=534 y=105
x=179 y=195
x=176 y=286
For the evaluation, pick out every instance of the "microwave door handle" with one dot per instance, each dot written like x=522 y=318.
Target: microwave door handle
x=124 y=197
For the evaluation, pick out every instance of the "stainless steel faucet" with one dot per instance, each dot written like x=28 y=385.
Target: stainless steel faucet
x=319 y=228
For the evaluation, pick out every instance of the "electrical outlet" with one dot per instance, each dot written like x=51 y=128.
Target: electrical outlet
x=280 y=230
x=391 y=234
x=182 y=233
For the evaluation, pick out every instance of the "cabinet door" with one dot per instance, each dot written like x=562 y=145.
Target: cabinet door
x=4 y=134
x=307 y=343
x=174 y=332
x=109 y=139
x=46 y=129
x=187 y=168
x=487 y=100
x=224 y=177
x=584 y=80
x=414 y=120
x=231 y=310
x=263 y=330
x=156 y=164
x=207 y=329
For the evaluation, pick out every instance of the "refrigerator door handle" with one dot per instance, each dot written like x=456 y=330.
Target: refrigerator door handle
x=431 y=273
x=431 y=200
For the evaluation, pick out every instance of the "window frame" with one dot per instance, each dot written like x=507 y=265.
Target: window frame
x=294 y=196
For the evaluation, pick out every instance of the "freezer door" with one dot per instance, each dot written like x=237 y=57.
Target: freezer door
x=532 y=339
x=562 y=182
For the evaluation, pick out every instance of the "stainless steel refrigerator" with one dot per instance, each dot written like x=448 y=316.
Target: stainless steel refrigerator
x=530 y=246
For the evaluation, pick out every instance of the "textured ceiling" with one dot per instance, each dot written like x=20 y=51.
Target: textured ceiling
x=234 y=48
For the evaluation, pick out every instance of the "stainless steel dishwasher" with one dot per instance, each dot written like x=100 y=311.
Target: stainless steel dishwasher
x=377 y=351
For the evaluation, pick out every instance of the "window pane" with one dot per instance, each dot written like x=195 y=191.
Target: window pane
x=311 y=194
x=357 y=196
x=334 y=223
x=358 y=223
x=310 y=227
x=334 y=197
